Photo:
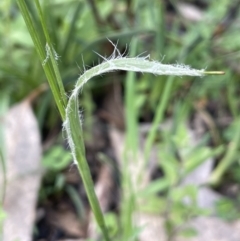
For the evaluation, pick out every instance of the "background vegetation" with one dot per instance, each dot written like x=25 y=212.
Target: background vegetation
x=78 y=30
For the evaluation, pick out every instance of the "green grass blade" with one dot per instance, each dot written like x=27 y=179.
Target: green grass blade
x=42 y=55
x=130 y=103
x=162 y=105
x=70 y=34
x=230 y=156
x=73 y=127
x=53 y=55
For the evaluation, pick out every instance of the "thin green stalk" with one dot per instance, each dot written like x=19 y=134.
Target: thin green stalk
x=131 y=145
x=42 y=56
x=53 y=55
x=158 y=19
x=75 y=135
x=162 y=105
x=78 y=204
x=131 y=110
x=228 y=159
x=70 y=34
